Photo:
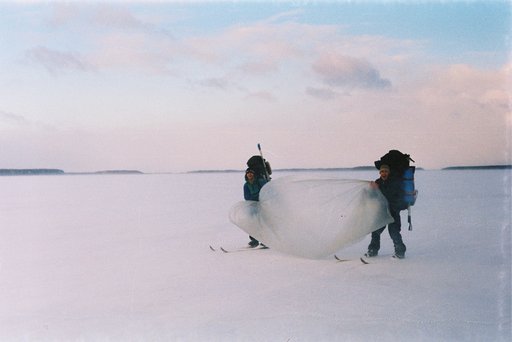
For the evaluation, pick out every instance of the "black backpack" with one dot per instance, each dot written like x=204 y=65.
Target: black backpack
x=397 y=161
x=260 y=166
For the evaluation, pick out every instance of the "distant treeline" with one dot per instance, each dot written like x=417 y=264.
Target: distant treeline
x=35 y=172
x=485 y=167
x=14 y=172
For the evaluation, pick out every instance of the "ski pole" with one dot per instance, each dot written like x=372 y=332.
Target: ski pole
x=267 y=176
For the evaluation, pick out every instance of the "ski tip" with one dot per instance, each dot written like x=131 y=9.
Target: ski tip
x=364 y=261
x=340 y=260
x=222 y=249
x=213 y=249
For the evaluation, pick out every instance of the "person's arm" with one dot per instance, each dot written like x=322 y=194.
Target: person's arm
x=247 y=193
x=262 y=181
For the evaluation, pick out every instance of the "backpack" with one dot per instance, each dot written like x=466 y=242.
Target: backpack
x=398 y=163
x=260 y=166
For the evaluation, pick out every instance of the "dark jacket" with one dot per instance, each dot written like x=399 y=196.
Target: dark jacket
x=252 y=191
x=390 y=188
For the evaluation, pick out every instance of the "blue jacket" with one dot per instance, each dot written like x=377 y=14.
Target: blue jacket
x=252 y=191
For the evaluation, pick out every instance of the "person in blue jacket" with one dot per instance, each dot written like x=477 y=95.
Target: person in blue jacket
x=252 y=189
x=389 y=185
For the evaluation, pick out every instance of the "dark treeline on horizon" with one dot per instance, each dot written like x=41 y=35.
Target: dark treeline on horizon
x=34 y=172
x=10 y=172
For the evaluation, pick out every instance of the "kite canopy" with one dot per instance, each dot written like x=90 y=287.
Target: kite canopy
x=314 y=217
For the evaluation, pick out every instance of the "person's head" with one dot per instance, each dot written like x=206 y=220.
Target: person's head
x=249 y=175
x=384 y=171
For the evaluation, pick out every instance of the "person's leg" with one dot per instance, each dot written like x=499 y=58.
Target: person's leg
x=394 y=232
x=374 y=246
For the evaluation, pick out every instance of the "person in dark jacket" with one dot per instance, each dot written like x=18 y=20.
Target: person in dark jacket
x=389 y=185
x=252 y=186
x=252 y=189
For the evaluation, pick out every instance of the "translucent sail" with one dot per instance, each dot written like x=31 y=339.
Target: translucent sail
x=314 y=217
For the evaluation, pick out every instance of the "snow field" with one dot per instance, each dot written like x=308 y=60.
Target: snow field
x=126 y=257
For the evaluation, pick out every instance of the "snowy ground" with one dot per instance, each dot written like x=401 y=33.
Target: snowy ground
x=126 y=257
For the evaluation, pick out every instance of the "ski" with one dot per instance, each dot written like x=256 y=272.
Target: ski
x=366 y=262
x=340 y=260
x=243 y=249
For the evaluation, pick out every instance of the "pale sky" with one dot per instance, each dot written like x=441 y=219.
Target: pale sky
x=177 y=86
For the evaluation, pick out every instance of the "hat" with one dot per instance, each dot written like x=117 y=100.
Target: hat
x=384 y=167
x=249 y=170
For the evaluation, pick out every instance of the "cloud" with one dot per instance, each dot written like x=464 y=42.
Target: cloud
x=466 y=90
x=105 y=15
x=19 y=123
x=102 y=36
x=321 y=93
x=10 y=118
x=262 y=95
x=218 y=83
x=285 y=16
x=111 y=36
x=348 y=72
x=257 y=48
x=140 y=51
x=54 y=60
x=114 y=16
x=259 y=67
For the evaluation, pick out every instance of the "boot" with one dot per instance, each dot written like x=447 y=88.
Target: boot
x=253 y=243
x=371 y=253
x=400 y=251
x=373 y=247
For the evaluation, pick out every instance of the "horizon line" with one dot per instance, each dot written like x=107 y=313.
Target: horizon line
x=54 y=171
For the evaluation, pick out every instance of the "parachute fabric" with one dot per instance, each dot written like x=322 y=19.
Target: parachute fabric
x=314 y=217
